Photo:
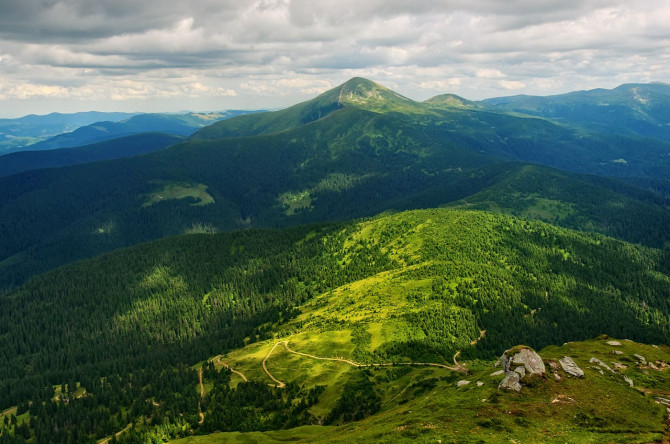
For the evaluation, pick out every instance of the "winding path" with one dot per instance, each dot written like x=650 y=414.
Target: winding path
x=240 y=374
x=202 y=387
x=280 y=384
x=117 y=434
x=202 y=395
x=9 y=411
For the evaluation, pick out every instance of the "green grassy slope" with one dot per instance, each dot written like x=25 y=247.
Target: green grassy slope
x=425 y=405
x=445 y=275
x=416 y=286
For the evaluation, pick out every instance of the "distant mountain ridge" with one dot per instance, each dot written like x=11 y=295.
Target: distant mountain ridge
x=174 y=124
x=633 y=109
x=26 y=130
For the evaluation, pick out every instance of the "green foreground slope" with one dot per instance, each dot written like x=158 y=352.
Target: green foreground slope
x=417 y=286
x=419 y=404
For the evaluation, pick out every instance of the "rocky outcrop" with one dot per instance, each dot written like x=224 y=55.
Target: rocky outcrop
x=614 y=343
x=518 y=364
x=511 y=382
x=619 y=366
x=462 y=383
x=525 y=357
x=600 y=363
x=570 y=367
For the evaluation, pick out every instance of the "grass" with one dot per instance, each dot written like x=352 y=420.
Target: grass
x=424 y=404
x=293 y=202
x=299 y=434
x=197 y=192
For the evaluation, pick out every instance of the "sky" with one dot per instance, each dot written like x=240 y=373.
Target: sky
x=206 y=55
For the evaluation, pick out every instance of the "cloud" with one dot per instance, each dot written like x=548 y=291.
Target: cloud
x=29 y=91
x=287 y=86
x=511 y=84
x=248 y=53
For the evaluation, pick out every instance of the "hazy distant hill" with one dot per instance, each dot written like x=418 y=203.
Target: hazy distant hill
x=176 y=124
x=127 y=146
x=23 y=131
x=633 y=109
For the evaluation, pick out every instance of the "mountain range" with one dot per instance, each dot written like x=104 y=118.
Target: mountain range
x=346 y=269
x=354 y=151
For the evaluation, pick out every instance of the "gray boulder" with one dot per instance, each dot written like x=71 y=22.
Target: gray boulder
x=519 y=363
x=570 y=367
x=526 y=357
x=511 y=382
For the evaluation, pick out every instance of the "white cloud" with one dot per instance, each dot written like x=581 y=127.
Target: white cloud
x=276 y=52
x=511 y=84
x=489 y=73
x=440 y=85
x=30 y=91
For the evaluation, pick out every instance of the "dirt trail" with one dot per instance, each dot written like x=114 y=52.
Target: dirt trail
x=202 y=387
x=202 y=395
x=9 y=411
x=280 y=384
x=240 y=374
x=482 y=333
x=117 y=434
x=458 y=367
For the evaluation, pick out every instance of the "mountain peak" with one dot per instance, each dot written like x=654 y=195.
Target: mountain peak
x=451 y=101
x=365 y=93
x=357 y=92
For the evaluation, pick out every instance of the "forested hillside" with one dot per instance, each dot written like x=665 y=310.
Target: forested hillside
x=414 y=286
